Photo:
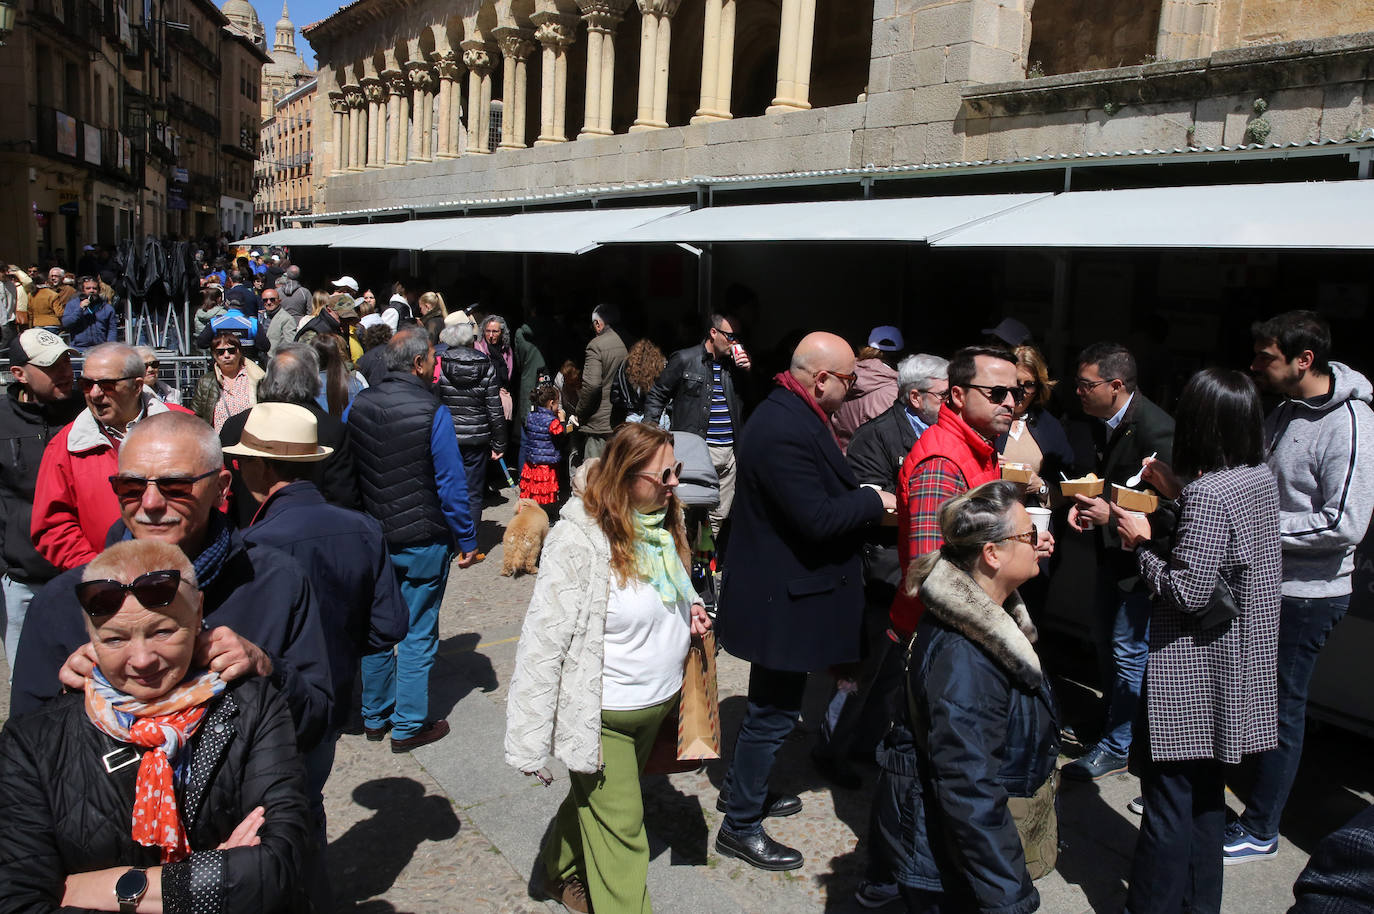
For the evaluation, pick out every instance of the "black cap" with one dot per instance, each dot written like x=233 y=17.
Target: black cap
x=1010 y=331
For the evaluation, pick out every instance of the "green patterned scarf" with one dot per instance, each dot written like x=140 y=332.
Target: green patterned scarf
x=656 y=558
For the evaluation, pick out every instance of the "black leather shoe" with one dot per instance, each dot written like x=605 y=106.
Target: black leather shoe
x=758 y=850
x=776 y=806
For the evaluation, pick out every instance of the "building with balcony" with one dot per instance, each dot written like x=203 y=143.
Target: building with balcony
x=285 y=174
x=242 y=63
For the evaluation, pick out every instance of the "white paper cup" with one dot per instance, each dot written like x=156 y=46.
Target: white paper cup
x=1139 y=515
x=1041 y=518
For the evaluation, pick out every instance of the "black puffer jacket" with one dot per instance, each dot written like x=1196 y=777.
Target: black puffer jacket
x=25 y=429
x=65 y=813
x=470 y=389
x=985 y=728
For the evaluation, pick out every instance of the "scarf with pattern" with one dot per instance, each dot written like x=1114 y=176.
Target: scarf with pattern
x=163 y=727
x=657 y=560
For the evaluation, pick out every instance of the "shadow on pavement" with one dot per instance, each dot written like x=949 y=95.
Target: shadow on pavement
x=458 y=669
x=366 y=860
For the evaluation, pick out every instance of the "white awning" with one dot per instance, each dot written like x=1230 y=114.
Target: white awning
x=304 y=237
x=886 y=220
x=549 y=231
x=1298 y=216
x=414 y=234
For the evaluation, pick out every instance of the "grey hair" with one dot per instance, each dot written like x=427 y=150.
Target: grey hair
x=969 y=522
x=170 y=426
x=293 y=375
x=145 y=352
x=915 y=372
x=607 y=314
x=133 y=362
x=408 y=344
x=505 y=329
x=125 y=561
x=459 y=334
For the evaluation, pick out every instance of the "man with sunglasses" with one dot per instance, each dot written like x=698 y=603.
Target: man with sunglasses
x=792 y=597
x=38 y=403
x=261 y=616
x=73 y=507
x=700 y=386
x=1124 y=427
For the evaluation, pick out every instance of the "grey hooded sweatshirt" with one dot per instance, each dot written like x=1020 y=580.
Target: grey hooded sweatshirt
x=1323 y=456
x=295 y=298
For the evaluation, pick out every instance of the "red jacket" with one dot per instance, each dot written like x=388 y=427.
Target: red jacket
x=73 y=504
x=949 y=458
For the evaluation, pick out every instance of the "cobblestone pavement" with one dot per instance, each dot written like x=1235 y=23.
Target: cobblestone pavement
x=449 y=828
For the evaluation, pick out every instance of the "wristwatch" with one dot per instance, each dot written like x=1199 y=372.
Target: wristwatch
x=1044 y=489
x=130 y=888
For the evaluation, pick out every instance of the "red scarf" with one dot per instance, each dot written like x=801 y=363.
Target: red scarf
x=787 y=382
x=163 y=727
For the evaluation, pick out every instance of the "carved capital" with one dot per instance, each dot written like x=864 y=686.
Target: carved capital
x=448 y=64
x=555 y=31
x=662 y=8
x=603 y=15
x=395 y=82
x=374 y=90
x=514 y=43
x=337 y=103
x=353 y=97
x=478 y=60
x=421 y=75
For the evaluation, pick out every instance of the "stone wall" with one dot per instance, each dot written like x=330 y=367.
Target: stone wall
x=1072 y=35
x=1250 y=22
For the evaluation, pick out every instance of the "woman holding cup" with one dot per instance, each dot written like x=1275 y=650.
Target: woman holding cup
x=1036 y=439
x=1210 y=682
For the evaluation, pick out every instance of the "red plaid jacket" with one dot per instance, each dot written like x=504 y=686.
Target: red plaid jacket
x=948 y=459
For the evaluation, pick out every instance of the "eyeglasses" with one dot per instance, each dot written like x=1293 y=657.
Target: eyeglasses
x=672 y=472
x=998 y=394
x=848 y=379
x=107 y=385
x=226 y=350
x=1029 y=537
x=104 y=597
x=173 y=488
x=268 y=298
x=1085 y=385
x=937 y=394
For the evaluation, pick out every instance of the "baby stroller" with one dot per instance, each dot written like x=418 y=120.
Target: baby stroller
x=699 y=491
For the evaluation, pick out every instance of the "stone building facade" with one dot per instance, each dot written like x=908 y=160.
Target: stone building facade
x=285 y=169
x=427 y=102
x=241 y=64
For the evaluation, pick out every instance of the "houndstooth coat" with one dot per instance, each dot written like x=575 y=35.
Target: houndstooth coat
x=1212 y=694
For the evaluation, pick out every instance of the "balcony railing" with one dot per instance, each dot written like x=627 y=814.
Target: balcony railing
x=192 y=114
x=193 y=47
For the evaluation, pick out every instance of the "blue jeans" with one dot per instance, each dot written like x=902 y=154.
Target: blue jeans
x=475 y=458
x=396 y=682
x=1123 y=646
x=17 y=599
x=775 y=700
x=1304 y=624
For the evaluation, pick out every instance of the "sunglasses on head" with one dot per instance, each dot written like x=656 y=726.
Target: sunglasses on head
x=107 y=385
x=104 y=597
x=672 y=472
x=176 y=488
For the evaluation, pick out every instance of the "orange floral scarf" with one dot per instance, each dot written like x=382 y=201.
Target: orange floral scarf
x=164 y=727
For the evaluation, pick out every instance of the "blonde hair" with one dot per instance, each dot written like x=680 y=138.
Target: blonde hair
x=1029 y=358
x=319 y=302
x=126 y=560
x=435 y=299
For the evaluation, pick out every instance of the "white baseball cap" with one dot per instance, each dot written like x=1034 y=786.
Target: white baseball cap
x=345 y=282
x=38 y=347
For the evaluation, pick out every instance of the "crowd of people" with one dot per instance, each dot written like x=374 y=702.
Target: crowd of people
x=199 y=582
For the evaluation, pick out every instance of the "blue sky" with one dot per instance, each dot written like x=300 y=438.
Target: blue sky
x=303 y=12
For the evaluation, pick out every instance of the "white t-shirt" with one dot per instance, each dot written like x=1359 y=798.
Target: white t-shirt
x=646 y=644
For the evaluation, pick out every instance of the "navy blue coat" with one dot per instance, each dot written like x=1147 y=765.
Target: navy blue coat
x=344 y=555
x=792 y=592
x=260 y=593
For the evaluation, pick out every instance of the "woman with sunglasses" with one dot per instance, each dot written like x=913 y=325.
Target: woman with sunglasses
x=600 y=662
x=230 y=387
x=982 y=717
x=157 y=786
x=1036 y=438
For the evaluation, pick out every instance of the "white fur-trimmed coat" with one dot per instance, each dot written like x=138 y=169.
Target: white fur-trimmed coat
x=554 y=706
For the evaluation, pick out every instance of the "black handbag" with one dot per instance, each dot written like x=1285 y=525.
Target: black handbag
x=1220 y=609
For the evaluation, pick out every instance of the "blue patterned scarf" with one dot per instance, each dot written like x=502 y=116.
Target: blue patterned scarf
x=657 y=561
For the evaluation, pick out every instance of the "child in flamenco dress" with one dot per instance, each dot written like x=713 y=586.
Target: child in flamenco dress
x=539 y=451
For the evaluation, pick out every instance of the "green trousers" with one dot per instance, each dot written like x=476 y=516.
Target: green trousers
x=599 y=834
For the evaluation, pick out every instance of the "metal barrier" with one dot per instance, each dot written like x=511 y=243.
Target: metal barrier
x=181 y=372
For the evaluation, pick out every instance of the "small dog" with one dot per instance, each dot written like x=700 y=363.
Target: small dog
x=524 y=538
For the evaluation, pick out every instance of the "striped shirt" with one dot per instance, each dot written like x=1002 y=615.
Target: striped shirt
x=719 y=431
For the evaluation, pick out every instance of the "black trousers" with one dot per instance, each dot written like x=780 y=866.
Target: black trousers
x=1177 y=865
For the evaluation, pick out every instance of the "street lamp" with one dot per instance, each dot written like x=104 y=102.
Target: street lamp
x=8 y=11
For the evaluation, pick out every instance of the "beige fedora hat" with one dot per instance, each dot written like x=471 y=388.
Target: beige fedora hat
x=280 y=431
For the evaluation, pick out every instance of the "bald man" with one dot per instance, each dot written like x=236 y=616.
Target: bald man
x=792 y=597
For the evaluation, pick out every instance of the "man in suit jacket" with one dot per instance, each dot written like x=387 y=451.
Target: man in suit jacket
x=792 y=597
x=1125 y=428
x=592 y=418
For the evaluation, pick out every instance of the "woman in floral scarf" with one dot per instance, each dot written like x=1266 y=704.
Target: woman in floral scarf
x=158 y=785
x=600 y=662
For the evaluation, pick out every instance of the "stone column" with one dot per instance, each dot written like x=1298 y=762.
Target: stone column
x=1187 y=29
x=655 y=42
x=516 y=48
x=374 y=91
x=796 y=33
x=717 y=62
x=554 y=33
x=396 y=85
x=447 y=65
x=602 y=18
x=339 y=107
x=421 y=79
x=357 y=126
x=477 y=59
